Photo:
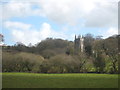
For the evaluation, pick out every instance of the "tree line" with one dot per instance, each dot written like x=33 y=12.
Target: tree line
x=57 y=56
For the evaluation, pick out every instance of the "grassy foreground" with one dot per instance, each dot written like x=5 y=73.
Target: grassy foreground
x=31 y=80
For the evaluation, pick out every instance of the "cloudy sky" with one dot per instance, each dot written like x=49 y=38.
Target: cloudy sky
x=30 y=21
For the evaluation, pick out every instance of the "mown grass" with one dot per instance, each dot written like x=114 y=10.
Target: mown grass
x=32 y=80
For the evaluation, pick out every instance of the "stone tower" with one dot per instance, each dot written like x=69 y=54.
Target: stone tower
x=1 y=40
x=82 y=43
x=78 y=44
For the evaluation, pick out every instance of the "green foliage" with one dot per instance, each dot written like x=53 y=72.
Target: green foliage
x=88 y=43
x=62 y=63
x=20 y=62
x=58 y=56
x=48 y=53
x=99 y=63
x=108 y=47
x=88 y=66
x=52 y=44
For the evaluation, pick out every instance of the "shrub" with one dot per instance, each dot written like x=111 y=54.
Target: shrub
x=64 y=63
x=21 y=62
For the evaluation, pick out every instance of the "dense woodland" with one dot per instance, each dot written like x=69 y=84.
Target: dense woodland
x=57 y=56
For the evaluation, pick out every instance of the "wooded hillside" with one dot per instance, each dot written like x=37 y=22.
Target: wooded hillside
x=57 y=56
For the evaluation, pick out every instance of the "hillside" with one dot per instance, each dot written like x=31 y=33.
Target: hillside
x=57 y=55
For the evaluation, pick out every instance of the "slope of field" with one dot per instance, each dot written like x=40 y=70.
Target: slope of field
x=31 y=80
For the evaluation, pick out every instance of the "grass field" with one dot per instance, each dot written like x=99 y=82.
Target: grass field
x=31 y=80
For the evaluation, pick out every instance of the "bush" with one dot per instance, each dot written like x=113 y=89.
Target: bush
x=21 y=62
x=64 y=64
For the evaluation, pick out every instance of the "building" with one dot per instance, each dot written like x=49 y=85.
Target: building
x=78 y=44
x=1 y=40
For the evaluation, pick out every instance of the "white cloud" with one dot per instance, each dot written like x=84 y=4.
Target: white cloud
x=0 y=18
x=30 y=35
x=17 y=25
x=65 y=11
x=104 y=15
x=111 y=31
x=96 y=13
x=17 y=9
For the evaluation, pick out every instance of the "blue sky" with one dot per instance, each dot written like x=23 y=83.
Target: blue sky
x=31 y=21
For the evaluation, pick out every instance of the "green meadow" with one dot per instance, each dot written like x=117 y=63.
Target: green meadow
x=76 y=80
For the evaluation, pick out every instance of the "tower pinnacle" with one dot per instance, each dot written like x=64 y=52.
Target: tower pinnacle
x=75 y=36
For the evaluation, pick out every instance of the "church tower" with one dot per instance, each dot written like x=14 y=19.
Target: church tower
x=78 y=44
x=1 y=40
x=82 y=43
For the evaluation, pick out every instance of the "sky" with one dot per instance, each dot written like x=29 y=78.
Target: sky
x=31 y=21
